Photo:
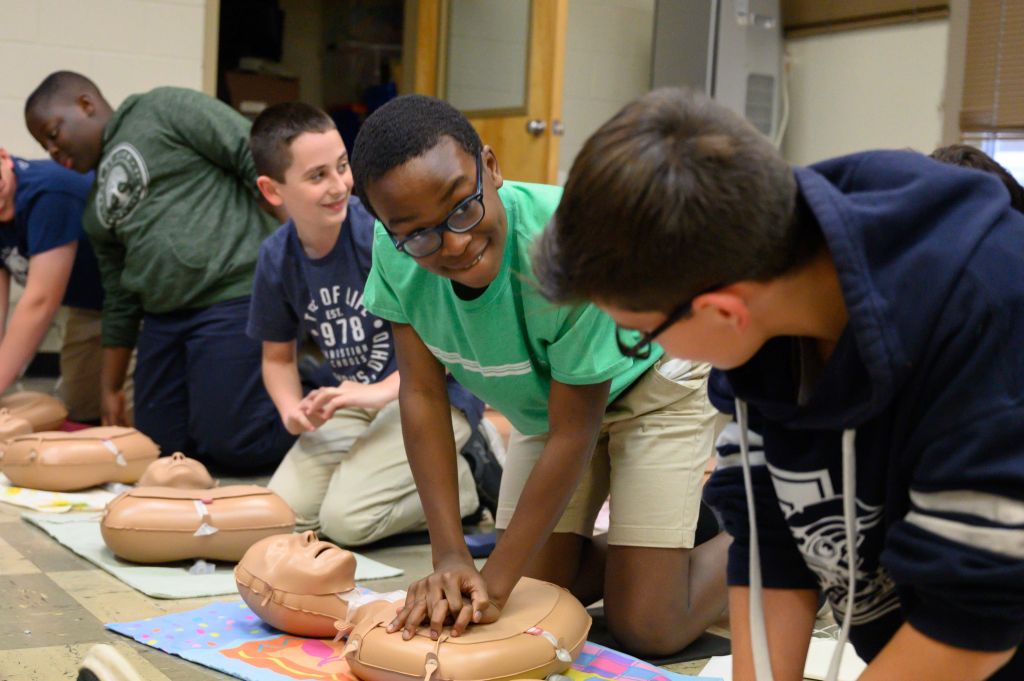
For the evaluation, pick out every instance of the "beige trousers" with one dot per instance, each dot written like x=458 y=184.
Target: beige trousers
x=81 y=359
x=351 y=481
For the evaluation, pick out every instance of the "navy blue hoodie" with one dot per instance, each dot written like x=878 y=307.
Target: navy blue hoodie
x=930 y=376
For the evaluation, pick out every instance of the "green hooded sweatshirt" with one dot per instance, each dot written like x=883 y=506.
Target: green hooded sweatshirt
x=173 y=215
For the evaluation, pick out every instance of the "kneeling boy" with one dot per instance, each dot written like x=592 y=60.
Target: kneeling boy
x=347 y=475
x=861 y=307
x=451 y=270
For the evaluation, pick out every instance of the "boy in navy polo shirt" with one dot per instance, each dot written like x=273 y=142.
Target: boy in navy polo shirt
x=42 y=248
x=347 y=475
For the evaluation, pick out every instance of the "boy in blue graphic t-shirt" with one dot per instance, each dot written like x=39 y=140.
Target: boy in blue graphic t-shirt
x=43 y=248
x=347 y=475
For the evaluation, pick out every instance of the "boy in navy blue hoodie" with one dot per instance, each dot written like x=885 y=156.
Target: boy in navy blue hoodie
x=864 y=311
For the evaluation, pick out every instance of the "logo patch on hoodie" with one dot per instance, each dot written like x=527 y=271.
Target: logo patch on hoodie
x=121 y=184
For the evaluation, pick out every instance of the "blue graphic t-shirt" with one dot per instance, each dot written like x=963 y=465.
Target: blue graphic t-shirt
x=48 y=205
x=324 y=299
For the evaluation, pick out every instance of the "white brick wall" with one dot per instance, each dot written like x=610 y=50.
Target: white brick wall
x=607 y=64
x=126 y=46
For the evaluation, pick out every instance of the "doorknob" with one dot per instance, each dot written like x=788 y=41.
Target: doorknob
x=536 y=126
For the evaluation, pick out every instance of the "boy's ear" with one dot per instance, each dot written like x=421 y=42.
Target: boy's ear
x=491 y=165
x=86 y=104
x=727 y=304
x=268 y=187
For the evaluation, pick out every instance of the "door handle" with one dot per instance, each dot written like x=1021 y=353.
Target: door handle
x=536 y=126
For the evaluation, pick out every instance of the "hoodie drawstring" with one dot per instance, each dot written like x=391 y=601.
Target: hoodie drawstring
x=758 y=635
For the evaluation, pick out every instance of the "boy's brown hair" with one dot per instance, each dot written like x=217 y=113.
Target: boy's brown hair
x=673 y=196
x=971 y=157
x=276 y=128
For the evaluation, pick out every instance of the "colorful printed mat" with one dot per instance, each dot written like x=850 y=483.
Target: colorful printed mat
x=230 y=638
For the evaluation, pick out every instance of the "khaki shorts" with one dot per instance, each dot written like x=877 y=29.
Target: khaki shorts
x=655 y=442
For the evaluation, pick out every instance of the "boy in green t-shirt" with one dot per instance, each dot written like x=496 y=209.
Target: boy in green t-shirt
x=451 y=270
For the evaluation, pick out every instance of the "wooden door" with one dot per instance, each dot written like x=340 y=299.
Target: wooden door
x=525 y=137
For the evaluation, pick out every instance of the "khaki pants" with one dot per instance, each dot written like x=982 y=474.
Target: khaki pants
x=655 y=442
x=81 y=359
x=350 y=478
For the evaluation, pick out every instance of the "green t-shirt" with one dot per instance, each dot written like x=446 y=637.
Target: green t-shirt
x=508 y=344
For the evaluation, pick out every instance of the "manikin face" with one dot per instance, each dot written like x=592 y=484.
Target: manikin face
x=421 y=194
x=69 y=131
x=302 y=564
x=8 y=185
x=317 y=184
x=707 y=334
x=177 y=470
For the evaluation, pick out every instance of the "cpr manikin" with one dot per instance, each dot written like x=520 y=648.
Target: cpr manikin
x=59 y=461
x=306 y=587
x=43 y=412
x=178 y=513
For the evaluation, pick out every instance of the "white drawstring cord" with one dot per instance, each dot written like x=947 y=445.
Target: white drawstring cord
x=758 y=635
x=850 y=525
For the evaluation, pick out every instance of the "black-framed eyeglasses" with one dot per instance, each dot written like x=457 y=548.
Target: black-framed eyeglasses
x=466 y=215
x=640 y=348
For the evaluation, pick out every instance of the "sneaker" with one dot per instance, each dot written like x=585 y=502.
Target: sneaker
x=104 y=663
x=484 y=464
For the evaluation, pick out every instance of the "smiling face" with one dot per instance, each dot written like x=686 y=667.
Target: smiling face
x=8 y=185
x=71 y=131
x=422 y=192
x=317 y=184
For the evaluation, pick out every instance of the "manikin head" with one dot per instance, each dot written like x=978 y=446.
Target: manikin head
x=177 y=470
x=295 y=583
x=421 y=168
x=66 y=114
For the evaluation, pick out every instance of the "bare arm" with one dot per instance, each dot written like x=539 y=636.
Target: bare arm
x=789 y=622
x=48 y=275
x=574 y=418
x=281 y=378
x=430 y=442
x=115 y=369
x=5 y=299
x=323 y=402
x=912 y=655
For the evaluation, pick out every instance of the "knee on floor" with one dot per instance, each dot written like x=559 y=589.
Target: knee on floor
x=646 y=636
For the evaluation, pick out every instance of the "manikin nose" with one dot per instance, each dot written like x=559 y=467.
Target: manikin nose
x=309 y=537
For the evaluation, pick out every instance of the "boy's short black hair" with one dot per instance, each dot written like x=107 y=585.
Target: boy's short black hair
x=275 y=129
x=59 y=84
x=404 y=128
x=672 y=197
x=971 y=157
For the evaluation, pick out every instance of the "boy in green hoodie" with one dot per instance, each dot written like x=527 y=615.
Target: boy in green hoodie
x=176 y=226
